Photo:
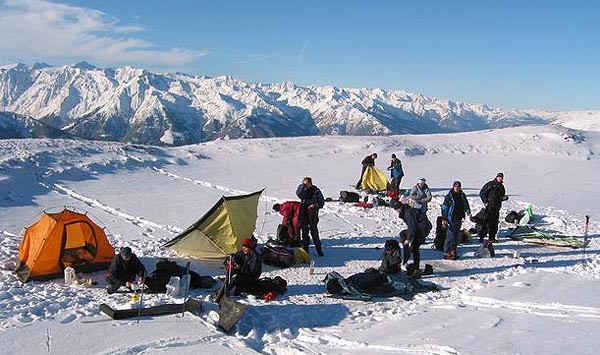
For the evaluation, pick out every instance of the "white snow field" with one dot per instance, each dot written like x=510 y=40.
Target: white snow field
x=145 y=195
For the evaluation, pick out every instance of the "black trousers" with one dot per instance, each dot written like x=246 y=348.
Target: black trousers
x=490 y=226
x=312 y=226
x=362 y=172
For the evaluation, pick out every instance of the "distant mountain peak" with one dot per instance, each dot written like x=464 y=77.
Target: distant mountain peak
x=135 y=105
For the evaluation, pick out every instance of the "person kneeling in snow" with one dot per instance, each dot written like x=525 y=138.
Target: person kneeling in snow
x=123 y=269
x=245 y=268
x=290 y=210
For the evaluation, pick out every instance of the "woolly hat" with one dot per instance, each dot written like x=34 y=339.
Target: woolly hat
x=126 y=252
x=248 y=243
x=500 y=175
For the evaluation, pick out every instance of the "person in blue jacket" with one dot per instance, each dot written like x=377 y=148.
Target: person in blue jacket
x=396 y=172
x=454 y=210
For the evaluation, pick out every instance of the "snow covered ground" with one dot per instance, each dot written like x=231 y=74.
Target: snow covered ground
x=146 y=195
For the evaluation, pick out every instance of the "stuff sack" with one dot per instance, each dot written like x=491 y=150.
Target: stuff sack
x=440 y=234
x=277 y=256
x=349 y=196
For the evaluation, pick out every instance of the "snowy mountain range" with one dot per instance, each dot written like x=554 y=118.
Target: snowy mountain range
x=134 y=105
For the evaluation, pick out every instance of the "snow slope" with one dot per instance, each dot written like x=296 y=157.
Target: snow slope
x=145 y=195
x=134 y=105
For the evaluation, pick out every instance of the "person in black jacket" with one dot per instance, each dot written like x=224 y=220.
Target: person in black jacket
x=246 y=268
x=454 y=209
x=369 y=160
x=311 y=200
x=492 y=194
x=418 y=228
x=123 y=269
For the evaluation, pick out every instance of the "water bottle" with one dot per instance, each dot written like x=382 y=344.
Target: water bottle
x=311 y=270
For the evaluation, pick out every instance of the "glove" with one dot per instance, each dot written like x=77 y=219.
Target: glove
x=504 y=198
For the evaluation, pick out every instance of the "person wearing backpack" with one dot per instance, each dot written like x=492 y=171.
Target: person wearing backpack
x=367 y=161
x=454 y=210
x=396 y=173
x=311 y=200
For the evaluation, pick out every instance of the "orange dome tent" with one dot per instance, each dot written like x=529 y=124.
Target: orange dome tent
x=62 y=239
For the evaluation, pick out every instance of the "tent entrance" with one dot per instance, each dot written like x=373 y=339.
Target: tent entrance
x=79 y=244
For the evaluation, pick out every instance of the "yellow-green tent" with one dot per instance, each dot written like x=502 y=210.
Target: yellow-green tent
x=374 y=179
x=221 y=230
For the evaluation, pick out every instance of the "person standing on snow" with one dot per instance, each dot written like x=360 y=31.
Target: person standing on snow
x=369 y=160
x=311 y=200
x=396 y=173
x=492 y=194
x=419 y=195
x=454 y=209
x=418 y=228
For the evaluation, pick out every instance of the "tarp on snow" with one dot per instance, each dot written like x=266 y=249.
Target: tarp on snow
x=531 y=234
x=374 y=179
x=366 y=285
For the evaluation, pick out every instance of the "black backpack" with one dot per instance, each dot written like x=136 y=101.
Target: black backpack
x=348 y=196
x=440 y=234
x=319 y=200
x=277 y=256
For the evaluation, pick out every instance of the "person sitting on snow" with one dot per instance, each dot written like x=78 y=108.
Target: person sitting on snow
x=245 y=268
x=123 y=270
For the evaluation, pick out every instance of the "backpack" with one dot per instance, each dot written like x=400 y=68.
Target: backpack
x=440 y=234
x=277 y=255
x=319 y=200
x=514 y=216
x=348 y=196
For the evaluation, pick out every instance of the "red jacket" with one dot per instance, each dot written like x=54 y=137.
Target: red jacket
x=290 y=210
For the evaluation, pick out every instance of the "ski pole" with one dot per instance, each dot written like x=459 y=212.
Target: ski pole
x=141 y=297
x=585 y=235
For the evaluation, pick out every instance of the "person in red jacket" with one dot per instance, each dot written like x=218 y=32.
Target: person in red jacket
x=290 y=210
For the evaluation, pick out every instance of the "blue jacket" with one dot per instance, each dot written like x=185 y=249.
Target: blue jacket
x=449 y=205
x=396 y=169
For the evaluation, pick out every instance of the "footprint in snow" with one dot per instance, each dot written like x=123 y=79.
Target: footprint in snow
x=68 y=319
x=520 y=284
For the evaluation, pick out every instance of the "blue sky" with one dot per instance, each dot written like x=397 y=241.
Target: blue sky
x=510 y=54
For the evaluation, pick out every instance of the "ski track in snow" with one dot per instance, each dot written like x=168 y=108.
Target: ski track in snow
x=138 y=221
x=544 y=310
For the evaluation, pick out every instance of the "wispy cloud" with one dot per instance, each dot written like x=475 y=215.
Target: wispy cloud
x=302 y=49
x=254 y=58
x=32 y=29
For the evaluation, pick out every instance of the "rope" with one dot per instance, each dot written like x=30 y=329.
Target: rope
x=264 y=215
